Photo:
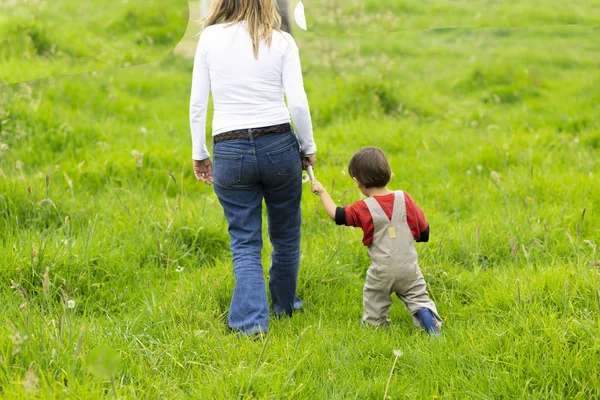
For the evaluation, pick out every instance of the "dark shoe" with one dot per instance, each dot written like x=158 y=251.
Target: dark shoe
x=258 y=335
x=428 y=322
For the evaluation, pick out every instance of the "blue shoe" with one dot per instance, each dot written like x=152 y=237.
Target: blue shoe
x=428 y=322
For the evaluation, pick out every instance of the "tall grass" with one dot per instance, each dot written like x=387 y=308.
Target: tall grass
x=115 y=274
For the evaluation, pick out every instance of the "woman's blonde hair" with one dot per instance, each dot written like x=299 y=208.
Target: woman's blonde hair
x=261 y=16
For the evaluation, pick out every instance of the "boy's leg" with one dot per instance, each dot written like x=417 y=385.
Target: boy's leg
x=376 y=298
x=413 y=293
x=427 y=321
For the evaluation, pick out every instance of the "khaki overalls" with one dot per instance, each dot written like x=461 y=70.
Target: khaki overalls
x=394 y=267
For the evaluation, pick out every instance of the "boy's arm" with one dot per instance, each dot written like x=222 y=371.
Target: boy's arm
x=416 y=220
x=328 y=203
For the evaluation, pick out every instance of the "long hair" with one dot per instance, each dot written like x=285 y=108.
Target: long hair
x=261 y=16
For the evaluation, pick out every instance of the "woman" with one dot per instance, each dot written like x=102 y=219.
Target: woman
x=248 y=63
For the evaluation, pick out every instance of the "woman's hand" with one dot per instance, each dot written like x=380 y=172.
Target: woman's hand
x=309 y=159
x=203 y=171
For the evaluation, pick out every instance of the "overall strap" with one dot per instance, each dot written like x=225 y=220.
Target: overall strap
x=399 y=212
x=380 y=219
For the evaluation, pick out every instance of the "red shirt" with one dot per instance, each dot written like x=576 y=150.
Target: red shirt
x=358 y=215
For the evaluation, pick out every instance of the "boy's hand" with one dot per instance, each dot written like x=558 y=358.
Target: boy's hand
x=317 y=187
x=328 y=203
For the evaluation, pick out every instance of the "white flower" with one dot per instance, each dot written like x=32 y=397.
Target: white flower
x=179 y=268
x=139 y=158
x=71 y=303
x=398 y=353
x=479 y=168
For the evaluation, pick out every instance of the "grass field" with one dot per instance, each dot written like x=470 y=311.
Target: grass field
x=115 y=272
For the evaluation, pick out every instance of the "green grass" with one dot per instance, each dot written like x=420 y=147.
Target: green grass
x=361 y=17
x=41 y=40
x=495 y=134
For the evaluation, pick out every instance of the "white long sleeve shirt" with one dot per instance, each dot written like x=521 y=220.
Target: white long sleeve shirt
x=247 y=92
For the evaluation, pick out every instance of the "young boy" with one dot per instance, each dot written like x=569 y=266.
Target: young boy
x=391 y=222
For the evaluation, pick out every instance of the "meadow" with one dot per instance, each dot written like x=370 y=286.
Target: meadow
x=115 y=271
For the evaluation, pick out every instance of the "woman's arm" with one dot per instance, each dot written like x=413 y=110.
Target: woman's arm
x=293 y=85
x=199 y=101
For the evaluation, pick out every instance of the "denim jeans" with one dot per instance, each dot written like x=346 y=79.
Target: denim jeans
x=244 y=172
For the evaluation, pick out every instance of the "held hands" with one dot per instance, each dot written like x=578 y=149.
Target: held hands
x=203 y=171
x=309 y=159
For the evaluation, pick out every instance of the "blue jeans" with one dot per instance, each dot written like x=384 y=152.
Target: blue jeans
x=244 y=172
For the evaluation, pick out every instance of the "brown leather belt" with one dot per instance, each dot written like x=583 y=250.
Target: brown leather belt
x=256 y=132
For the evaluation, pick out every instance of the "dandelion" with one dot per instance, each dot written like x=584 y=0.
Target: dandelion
x=479 y=168
x=495 y=176
x=71 y=304
x=179 y=268
x=397 y=354
x=139 y=158
x=469 y=172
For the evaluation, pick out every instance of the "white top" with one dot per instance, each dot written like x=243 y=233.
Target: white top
x=247 y=93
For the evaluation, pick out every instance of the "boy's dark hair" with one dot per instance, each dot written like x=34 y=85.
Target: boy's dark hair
x=370 y=167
